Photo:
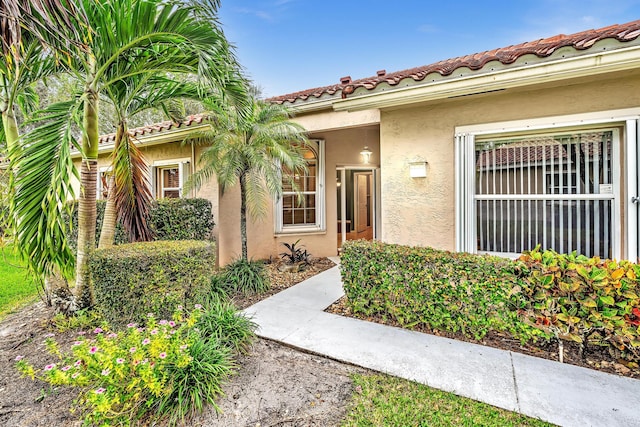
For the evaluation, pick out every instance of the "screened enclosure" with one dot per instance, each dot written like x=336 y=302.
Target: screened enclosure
x=556 y=190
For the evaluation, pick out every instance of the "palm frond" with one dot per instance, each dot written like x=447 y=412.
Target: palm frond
x=3 y=140
x=161 y=92
x=58 y=23
x=132 y=190
x=43 y=170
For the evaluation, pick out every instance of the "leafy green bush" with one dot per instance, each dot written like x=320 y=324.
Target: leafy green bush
x=248 y=277
x=133 y=279
x=542 y=295
x=169 y=368
x=181 y=219
x=586 y=300
x=169 y=219
x=456 y=292
x=221 y=322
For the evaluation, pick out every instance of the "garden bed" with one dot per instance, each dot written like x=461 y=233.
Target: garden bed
x=600 y=360
x=281 y=280
x=276 y=385
x=543 y=304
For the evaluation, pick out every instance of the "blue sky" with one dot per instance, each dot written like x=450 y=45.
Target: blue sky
x=291 y=45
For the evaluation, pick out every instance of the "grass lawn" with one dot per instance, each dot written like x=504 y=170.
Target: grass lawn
x=381 y=400
x=16 y=288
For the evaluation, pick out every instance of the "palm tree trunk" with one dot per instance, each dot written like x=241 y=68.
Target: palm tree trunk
x=108 y=231
x=11 y=135
x=88 y=185
x=10 y=128
x=243 y=216
x=58 y=294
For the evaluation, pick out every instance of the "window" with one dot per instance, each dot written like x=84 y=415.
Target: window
x=304 y=213
x=168 y=178
x=556 y=188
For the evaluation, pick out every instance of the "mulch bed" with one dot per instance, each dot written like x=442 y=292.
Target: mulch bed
x=594 y=358
x=281 y=280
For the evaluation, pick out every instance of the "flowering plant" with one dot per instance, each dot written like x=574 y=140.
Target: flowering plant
x=140 y=371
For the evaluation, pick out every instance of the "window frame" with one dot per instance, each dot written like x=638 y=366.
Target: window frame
x=320 y=223
x=625 y=183
x=157 y=187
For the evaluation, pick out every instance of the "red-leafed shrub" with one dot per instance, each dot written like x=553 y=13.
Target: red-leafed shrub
x=586 y=300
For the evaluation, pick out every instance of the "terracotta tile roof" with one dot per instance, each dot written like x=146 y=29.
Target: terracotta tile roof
x=506 y=55
x=156 y=127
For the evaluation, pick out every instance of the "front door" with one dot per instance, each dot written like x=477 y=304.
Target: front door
x=362 y=206
x=356 y=192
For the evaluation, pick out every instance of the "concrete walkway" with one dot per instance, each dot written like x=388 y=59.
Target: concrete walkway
x=562 y=394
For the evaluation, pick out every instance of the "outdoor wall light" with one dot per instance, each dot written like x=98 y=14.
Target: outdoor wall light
x=366 y=154
x=418 y=169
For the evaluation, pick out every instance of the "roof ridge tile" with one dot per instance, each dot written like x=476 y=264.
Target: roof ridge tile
x=155 y=127
x=542 y=48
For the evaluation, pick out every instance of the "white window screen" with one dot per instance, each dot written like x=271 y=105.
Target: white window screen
x=555 y=190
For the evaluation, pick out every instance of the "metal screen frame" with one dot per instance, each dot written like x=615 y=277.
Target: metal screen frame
x=466 y=199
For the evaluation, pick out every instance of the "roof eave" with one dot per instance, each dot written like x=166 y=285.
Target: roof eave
x=544 y=72
x=312 y=106
x=161 y=137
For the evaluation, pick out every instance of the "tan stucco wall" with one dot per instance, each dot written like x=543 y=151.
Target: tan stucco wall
x=342 y=148
x=328 y=120
x=172 y=151
x=422 y=211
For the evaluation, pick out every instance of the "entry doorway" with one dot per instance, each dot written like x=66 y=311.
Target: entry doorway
x=357 y=190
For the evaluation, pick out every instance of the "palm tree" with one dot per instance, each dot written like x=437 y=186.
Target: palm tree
x=131 y=38
x=129 y=190
x=18 y=76
x=250 y=146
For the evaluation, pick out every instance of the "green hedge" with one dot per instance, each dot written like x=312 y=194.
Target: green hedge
x=131 y=280
x=169 y=219
x=543 y=294
x=181 y=219
x=441 y=290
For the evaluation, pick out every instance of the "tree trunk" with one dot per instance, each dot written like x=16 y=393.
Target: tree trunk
x=88 y=186
x=243 y=216
x=10 y=129
x=11 y=136
x=108 y=231
x=58 y=294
